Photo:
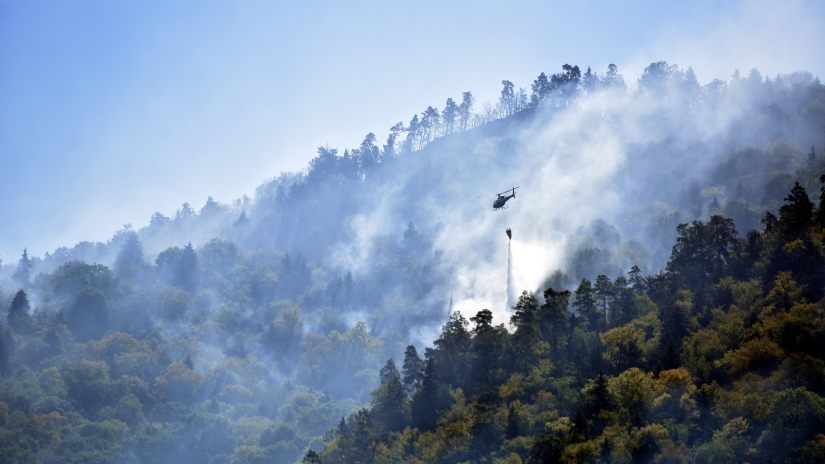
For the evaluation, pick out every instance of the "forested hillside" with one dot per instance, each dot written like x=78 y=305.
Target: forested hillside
x=719 y=358
x=245 y=332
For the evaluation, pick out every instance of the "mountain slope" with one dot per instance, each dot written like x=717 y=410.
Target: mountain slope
x=726 y=367
x=244 y=332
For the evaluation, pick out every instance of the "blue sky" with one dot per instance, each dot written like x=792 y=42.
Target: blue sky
x=110 y=111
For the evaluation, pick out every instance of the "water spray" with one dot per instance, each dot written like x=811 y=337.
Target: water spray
x=509 y=300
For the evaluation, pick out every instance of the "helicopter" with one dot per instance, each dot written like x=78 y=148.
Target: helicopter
x=502 y=198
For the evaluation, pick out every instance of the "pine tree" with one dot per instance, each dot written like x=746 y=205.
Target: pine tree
x=507 y=100
x=451 y=358
x=637 y=281
x=465 y=110
x=541 y=90
x=525 y=319
x=554 y=316
x=489 y=346
x=605 y=294
x=432 y=399
x=449 y=115
x=413 y=370
x=796 y=213
x=18 y=317
x=129 y=260
x=389 y=400
x=24 y=268
x=590 y=81
x=585 y=306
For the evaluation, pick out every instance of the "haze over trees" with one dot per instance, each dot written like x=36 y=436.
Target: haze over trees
x=716 y=359
x=669 y=245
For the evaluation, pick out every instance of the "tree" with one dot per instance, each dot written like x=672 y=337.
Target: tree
x=789 y=245
x=550 y=446
x=211 y=208
x=527 y=334
x=413 y=370
x=623 y=308
x=585 y=306
x=784 y=293
x=489 y=346
x=392 y=139
x=324 y=168
x=18 y=317
x=507 y=101
x=411 y=143
x=219 y=256
x=623 y=346
x=796 y=213
x=188 y=268
x=389 y=400
x=450 y=115
x=796 y=416
x=465 y=110
x=522 y=100
x=71 y=278
x=524 y=311
x=590 y=81
x=129 y=260
x=185 y=212
x=179 y=267
x=567 y=82
x=158 y=221
x=554 y=317
x=88 y=384
x=702 y=253
x=612 y=78
x=633 y=392
x=430 y=124
x=637 y=281
x=431 y=400
x=368 y=153
x=286 y=331
x=452 y=353
x=605 y=294
x=355 y=439
x=675 y=319
x=88 y=317
x=597 y=403
x=541 y=90
x=656 y=76
x=22 y=273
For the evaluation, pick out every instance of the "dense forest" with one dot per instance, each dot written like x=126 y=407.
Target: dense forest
x=719 y=358
x=670 y=256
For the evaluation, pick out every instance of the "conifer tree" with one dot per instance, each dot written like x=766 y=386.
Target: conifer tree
x=465 y=110
x=585 y=306
x=19 y=318
x=389 y=400
x=413 y=370
x=24 y=268
x=796 y=213
x=129 y=260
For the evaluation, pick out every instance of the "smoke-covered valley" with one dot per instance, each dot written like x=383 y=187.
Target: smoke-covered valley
x=247 y=330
